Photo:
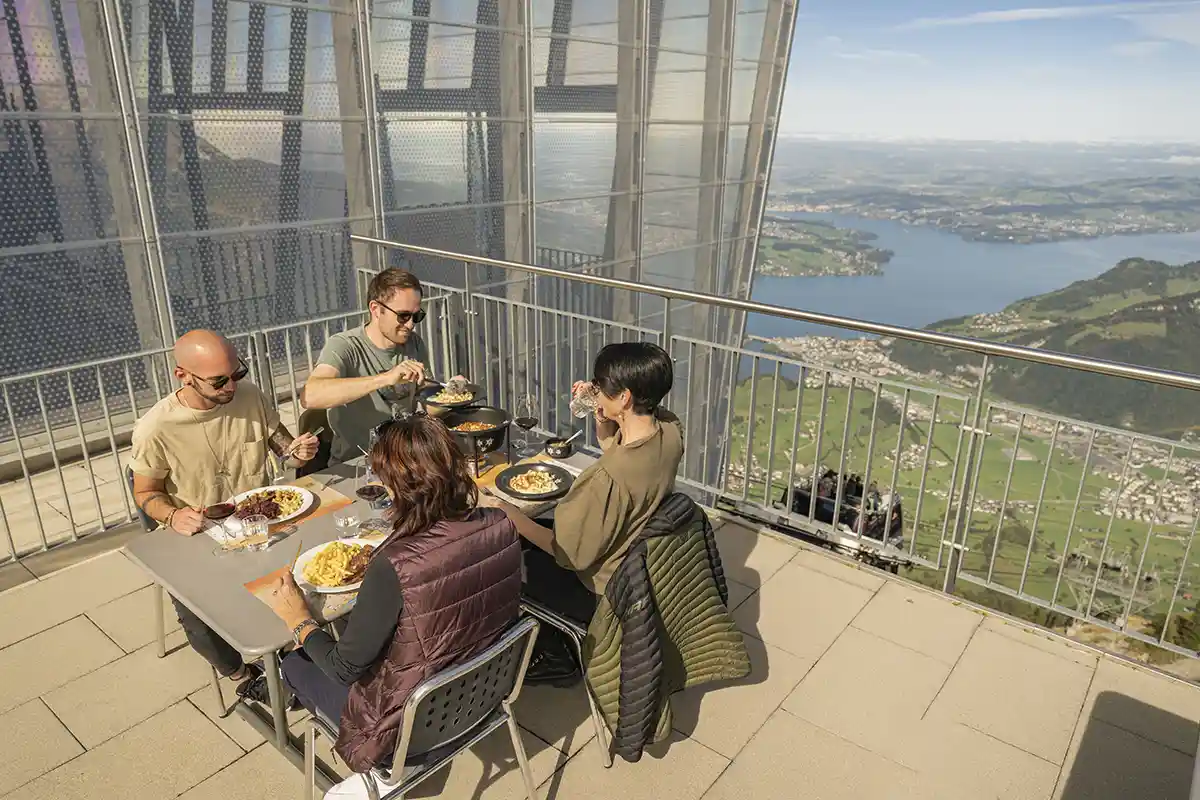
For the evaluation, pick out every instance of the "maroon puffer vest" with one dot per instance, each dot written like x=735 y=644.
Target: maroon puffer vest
x=461 y=583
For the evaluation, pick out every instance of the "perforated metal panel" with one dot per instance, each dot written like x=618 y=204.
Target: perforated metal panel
x=261 y=135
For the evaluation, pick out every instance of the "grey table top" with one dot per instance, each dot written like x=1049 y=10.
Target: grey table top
x=212 y=585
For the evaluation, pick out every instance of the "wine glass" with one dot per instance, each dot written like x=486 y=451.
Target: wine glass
x=525 y=418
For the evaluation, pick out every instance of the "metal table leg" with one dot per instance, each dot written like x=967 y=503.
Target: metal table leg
x=160 y=624
x=275 y=690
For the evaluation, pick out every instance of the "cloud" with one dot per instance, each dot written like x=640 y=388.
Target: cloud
x=1036 y=14
x=1180 y=26
x=1142 y=49
x=882 y=55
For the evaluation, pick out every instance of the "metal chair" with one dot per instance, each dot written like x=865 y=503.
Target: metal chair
x=156 y=597
x=447 y=714
x=576 y=633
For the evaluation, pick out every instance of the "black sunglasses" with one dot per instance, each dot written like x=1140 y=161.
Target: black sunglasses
x=403 y=317
x=220 y=381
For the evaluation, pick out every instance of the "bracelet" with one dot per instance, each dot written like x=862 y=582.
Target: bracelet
x=170 y=517
x=299 y=629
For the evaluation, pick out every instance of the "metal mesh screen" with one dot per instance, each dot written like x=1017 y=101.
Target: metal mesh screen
x=174 y=164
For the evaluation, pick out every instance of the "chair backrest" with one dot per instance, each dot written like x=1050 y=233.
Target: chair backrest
x=147 y=523
x=451 y=703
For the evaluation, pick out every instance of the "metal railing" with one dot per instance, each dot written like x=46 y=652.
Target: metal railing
x=65 y=432
x=1092 y=522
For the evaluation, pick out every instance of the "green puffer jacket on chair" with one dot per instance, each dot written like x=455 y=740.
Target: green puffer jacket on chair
x=663 y=625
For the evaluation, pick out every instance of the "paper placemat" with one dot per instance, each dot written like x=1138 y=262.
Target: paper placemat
x=328 y=500
x=324 y=607
x=530 y=507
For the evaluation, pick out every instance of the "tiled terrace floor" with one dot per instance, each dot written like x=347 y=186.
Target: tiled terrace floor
x=863 y=687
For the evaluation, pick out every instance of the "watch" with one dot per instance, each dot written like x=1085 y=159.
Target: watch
x=299 y=629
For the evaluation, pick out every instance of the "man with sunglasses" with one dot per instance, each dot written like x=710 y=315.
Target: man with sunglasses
x=201 y=445
x=363 y=372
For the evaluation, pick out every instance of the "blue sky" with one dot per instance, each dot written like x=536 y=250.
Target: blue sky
x=980 y=69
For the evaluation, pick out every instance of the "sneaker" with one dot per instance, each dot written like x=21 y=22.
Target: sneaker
x=547 y=668
x=255 y=688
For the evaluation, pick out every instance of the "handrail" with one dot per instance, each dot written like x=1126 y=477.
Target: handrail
x=1116 y=369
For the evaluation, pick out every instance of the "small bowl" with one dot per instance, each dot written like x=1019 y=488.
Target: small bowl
x=559 y=448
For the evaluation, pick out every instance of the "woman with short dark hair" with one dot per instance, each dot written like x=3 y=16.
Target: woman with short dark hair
x=439 y=589
x=610 y=502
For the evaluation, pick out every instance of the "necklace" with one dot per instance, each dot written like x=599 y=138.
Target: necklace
x=222 y=472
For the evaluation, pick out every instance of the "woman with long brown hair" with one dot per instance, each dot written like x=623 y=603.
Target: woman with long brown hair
x=441 y=587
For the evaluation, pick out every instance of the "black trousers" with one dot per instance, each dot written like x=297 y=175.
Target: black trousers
x=555 y=587
x=315 y=690
x=205 y=641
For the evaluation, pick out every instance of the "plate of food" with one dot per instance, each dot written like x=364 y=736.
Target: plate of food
x=334 y=566
x=535 y=481
x=276 y=503
x=451 y=395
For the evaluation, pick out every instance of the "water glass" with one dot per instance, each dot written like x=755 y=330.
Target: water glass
x=346 y=521
x=253 y=526
x=585 y=401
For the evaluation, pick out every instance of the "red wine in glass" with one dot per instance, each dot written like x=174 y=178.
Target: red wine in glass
x=525 y=423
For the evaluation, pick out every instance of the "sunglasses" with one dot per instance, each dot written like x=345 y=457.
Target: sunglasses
x=221 y=381
x=403 y=317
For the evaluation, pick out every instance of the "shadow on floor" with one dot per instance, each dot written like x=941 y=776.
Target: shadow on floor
x=1132 y=750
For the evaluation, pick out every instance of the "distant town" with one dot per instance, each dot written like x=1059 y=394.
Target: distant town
x=806 y=248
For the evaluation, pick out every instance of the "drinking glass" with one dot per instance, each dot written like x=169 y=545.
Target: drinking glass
x=585 y=401
x=346 y=521
x=256 y=525
x=525 y=418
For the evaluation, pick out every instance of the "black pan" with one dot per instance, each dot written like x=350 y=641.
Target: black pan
x=505 y=478
x=430 y=391
x=478 y=443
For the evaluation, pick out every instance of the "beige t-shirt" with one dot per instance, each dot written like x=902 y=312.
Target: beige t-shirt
x=189 y=448
x=613 y=499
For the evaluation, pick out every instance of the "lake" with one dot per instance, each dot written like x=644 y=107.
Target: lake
x=935 y=275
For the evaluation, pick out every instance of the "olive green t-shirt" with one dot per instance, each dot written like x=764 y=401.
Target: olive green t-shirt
x=354 y=355
x=613 y=499
x=206 y=456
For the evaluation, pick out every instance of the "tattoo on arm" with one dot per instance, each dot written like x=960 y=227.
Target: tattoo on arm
x=281 y=440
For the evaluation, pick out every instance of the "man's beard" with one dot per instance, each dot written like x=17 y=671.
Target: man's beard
x=220 y=398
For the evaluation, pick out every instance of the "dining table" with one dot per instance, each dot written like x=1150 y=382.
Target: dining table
x=211 y=582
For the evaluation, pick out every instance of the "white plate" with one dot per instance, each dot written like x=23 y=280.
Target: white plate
x=309 y=555
x=308 y=498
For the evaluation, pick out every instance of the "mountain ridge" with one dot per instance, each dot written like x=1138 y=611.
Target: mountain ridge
x=1139 y=312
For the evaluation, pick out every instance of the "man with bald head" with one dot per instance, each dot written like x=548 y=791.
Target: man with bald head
x=201 y=445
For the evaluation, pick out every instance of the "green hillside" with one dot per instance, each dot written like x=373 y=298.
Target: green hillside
x=1140 y=312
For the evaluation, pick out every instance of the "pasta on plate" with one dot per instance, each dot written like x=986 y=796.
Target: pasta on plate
x=338 y=564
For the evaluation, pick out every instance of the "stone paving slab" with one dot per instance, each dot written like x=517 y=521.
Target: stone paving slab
x=800 y=610
x=1022 y=695
x=119 y=695
x=129 y=620
x=47 y=660
x=35 y=743
x=35 y=607
x=164 y=756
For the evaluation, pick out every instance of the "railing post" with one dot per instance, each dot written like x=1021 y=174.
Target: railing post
x=473 y=364
x=966 y=496
x=666 y=334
